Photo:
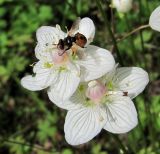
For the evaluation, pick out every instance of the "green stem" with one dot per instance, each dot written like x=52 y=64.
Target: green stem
x=107 y=24
x=140 y=126
x=151 y=119
x=134 y=57
x=119 y=142
x=141 y=34
x=28 y=145
x=133 y=32
x=147 y=5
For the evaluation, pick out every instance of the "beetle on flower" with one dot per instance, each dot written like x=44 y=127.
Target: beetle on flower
x=104 y=103
x=62 y=73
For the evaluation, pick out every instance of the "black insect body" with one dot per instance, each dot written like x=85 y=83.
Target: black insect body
x=66 y=43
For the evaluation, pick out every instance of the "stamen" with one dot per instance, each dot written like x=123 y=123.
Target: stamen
x=48 y=65
x=32 y=65
x=122 y=93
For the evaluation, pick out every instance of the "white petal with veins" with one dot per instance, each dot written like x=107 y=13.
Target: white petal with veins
x=48 y=38
x=87 y=28
x=66 y=85
x=83 y=124
x=44 y=77
x=76 y=101
x=131 y=79
x=96 y=63
x=121 y=114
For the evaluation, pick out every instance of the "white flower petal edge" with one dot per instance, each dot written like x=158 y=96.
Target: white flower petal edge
x=83 y=124
x=47 y=37
x=131 y=79
x=74 y=102
x=87 y=28
x=154 y=20
x=121 y=115
x=66 y=84
x=96 y=63
x=44 y=77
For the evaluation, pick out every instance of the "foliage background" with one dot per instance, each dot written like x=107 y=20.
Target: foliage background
x=29 y=122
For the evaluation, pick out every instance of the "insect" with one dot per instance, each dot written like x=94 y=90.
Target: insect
x=67 y=43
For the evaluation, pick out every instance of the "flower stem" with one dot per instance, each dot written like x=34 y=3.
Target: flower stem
x=28 y=145
x=141 y=34
x=116 y=138
x=134 y=57
x=147 y=98
x=147 y=6
x=132 y=32
x=107 y=24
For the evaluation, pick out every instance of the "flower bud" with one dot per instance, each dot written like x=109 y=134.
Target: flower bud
x=95 y=91
x=122 y=6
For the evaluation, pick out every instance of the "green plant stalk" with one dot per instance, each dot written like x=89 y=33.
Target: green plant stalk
x=140 y=126
x=134 y=60
x=141 y=35
x=133 y=32
x=134 y=57
x=147 y=5
x=7 y=141
x=116 y=138
x=150 y=117
x=107 y=24
x=146 y=98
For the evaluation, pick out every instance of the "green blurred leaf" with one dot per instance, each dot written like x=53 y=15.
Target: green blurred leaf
x=46 y=130
x=3 y=70
x=67 y=151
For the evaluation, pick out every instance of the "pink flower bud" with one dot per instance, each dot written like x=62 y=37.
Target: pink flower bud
x=95 y=91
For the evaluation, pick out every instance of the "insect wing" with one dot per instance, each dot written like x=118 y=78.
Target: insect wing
x=75 y=27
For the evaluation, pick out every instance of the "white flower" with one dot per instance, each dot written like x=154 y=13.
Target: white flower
x=105 y=103
x=122 y=6
x=62 y=74
x=154 y=20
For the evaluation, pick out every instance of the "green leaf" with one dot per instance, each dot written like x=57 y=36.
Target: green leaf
x=3 y=70
x=67 y=151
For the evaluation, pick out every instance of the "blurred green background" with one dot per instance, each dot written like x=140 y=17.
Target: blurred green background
x=29 y=122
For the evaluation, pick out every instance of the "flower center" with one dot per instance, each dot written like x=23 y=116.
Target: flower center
x=96 y=91
x=59 y=59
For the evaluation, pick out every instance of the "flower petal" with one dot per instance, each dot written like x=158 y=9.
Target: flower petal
x=48 y=38
x=76 y=101
x=43 y=78
x=121 y=114
x=154 y=20
x=87 y=28
x=65 y=86
x=131 y=79
x=83 y=124
x=47 y=34
x=110 y=75
x=96 y=62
